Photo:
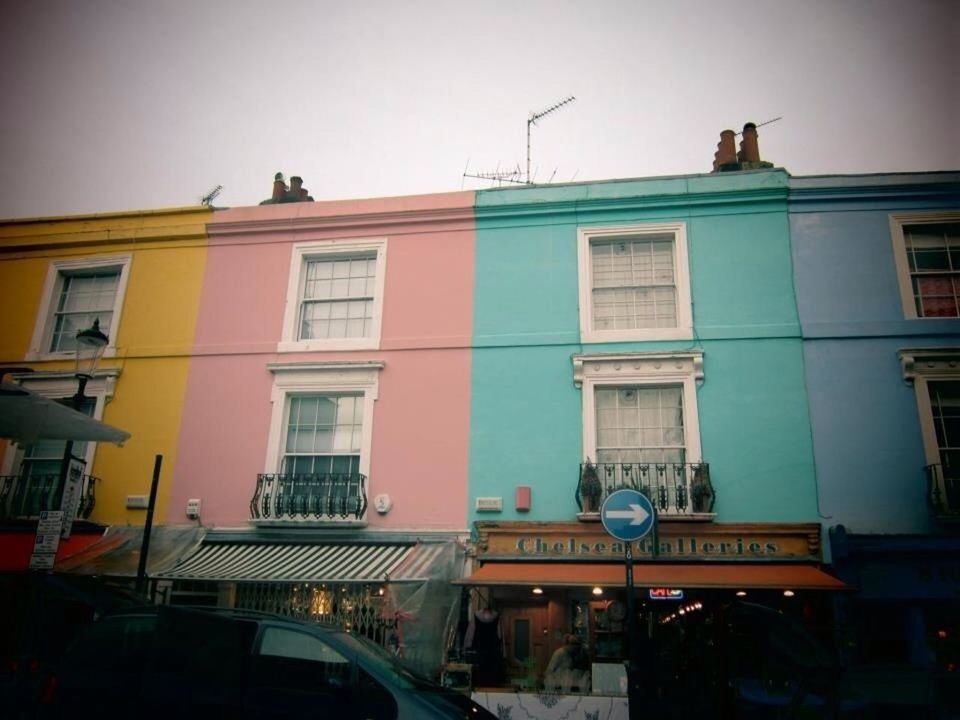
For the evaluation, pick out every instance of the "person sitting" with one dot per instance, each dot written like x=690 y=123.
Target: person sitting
x=569 y=667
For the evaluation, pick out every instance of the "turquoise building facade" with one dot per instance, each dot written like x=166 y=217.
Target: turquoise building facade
x=527 y=413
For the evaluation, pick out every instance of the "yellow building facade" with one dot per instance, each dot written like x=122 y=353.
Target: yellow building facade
x=140 y=275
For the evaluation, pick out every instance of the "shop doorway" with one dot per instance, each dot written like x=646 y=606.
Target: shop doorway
x=525 y=636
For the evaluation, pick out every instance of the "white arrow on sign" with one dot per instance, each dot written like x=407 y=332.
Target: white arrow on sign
x=637 y=515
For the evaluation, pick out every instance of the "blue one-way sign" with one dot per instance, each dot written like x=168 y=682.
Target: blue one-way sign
x=627 y=515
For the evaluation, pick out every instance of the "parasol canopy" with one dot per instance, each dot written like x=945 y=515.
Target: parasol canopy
x=26 y=417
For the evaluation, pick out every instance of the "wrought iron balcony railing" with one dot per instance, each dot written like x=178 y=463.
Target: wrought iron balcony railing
x=303 y=497
x=943 y=491
x=673 y=488
x=27 y=497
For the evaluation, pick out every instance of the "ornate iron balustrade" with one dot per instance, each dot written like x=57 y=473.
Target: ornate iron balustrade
x=943 y=491
x=318 y=496
x=673 y=488
x=27 y=497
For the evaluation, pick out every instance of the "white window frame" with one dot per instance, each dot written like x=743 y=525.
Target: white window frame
x=920 y=366
x=904 y=280
x=330 y=249
x=43 y=329
x=56 y=386
x=588 y=235
x=654 y=369
x=360 y=377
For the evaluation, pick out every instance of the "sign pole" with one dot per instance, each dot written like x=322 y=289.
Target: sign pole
x=628 y=515
x=634 y=694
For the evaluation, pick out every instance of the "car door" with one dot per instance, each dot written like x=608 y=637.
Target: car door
x=294 y=673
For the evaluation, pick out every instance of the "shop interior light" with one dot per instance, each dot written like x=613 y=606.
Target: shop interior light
x=598 y=591
x=741 y=593
x=538 y=591
x=788 y=593
x=380 y=591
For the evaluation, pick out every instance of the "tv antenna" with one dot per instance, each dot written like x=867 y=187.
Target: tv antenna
x=532 y=120
x=760 y=125
x=498 y=176
x=210 y=196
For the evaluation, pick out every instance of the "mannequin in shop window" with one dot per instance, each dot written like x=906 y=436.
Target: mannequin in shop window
x=485 y=639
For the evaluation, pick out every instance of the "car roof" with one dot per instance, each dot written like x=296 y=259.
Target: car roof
x=234 y=613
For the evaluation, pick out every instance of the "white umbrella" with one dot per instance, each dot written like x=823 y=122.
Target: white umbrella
x=26 y=417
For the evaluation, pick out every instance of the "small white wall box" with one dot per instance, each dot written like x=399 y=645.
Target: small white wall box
x=489 y=504
x=383 y=503
x=193 y=508
x=137 y=502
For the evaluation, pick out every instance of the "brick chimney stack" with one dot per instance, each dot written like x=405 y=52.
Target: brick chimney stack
x=727 y=159
x=281 y=194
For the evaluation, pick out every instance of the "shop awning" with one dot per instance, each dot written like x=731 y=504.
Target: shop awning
x=678 y=575
x=16 y=547
x=275 y=562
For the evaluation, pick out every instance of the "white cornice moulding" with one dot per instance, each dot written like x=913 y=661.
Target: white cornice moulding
x=929 y=361
x=606 y=366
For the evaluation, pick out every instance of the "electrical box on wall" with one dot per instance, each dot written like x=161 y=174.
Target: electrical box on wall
x=489 y=504
x=137 y=502
x=521 y=498
x=193 y=508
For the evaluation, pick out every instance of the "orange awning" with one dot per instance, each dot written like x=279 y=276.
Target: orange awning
x=703 y=575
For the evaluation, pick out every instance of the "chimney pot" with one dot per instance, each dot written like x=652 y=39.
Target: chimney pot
x=726 y=156
x=749 y=147
x=279 y=188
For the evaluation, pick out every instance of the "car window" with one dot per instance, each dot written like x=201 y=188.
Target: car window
x=283 y=642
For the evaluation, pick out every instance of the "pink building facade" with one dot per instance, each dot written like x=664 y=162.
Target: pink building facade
x=323 y=446
x=332 y=341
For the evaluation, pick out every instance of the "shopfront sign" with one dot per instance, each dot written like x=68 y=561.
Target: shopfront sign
x=665 y=593
x=677 y=541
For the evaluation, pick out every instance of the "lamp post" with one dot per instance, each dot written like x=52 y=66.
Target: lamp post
x=90 y=345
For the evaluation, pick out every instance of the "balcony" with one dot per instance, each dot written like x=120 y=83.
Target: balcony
x=943 y=492
x=326 y=496
x=673 y=488
x=26 y=497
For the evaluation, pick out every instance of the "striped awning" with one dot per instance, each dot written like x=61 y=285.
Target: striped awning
x=269 y=562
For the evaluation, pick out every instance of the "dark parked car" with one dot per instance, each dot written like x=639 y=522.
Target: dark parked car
x=176 y=662
x=40 y=613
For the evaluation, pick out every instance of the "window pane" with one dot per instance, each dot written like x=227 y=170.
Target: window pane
x=321 y=428
x=633 y=283
x=338 y=298
x=292 y=644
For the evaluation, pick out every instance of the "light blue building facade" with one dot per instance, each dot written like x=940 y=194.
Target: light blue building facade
x=732 y=330
x=644 y=334
x=877 y=273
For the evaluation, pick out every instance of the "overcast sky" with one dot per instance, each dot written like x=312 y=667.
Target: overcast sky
x=136 y=104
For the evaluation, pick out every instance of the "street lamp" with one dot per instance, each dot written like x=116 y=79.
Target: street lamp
x=90 y=344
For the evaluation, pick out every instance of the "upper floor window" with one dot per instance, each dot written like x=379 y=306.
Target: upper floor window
x=634 y=283
x=335 y=295
x=927 y=252
x=640 y=423
x=935 y=373
x=38 y=465
x=319 y=447
x=324 y=434
x=76 y=293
